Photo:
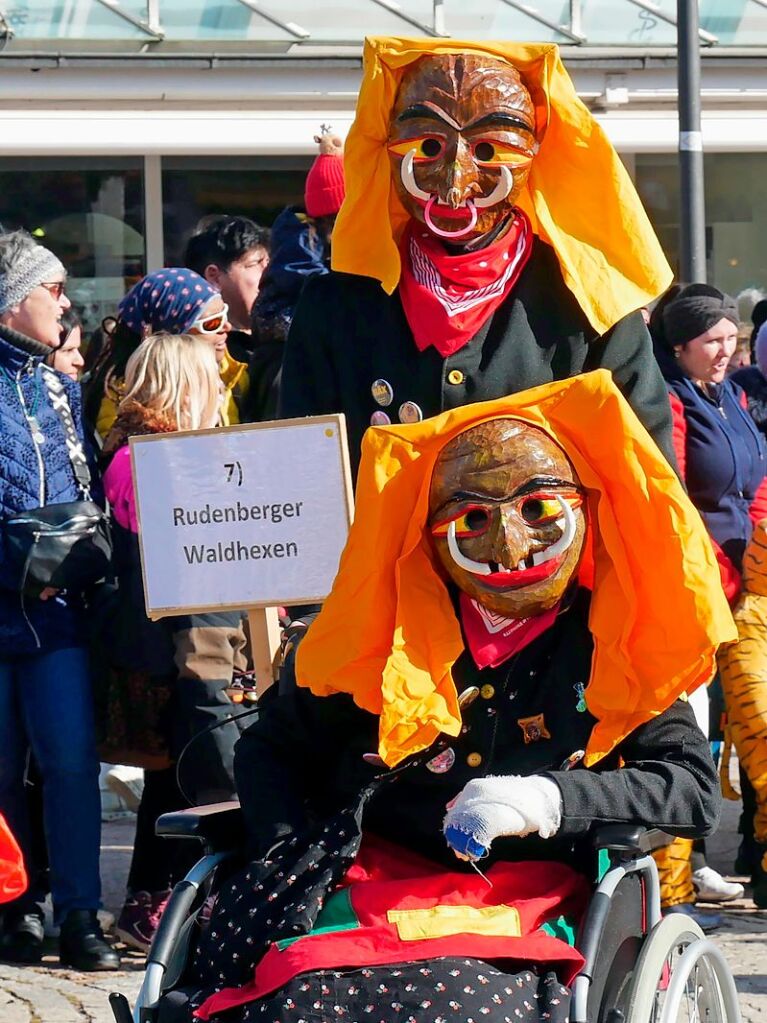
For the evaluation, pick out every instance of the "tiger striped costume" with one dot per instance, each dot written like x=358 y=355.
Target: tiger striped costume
x=743 y=670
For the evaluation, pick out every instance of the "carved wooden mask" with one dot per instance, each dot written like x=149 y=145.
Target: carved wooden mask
x=461 y=142
x=507 y=518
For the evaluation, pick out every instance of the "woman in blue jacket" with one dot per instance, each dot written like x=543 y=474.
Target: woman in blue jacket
x=722 y=459
x=45 y=695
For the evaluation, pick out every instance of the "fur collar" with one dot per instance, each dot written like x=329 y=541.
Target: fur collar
x=136 y=420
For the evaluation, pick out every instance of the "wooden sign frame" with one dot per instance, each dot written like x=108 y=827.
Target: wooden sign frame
x=338 y=421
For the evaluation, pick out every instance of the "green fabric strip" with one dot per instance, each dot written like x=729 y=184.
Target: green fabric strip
x=336 y=915
x=562 y=928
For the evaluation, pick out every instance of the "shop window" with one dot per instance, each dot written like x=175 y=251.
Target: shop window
x=736 y=211
x=199 y=187
x=90 y=212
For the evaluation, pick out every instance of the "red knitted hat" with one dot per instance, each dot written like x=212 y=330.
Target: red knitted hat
x=324 y=190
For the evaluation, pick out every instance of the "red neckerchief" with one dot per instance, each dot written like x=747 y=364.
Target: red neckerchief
x=492 y=639
x=447 y=298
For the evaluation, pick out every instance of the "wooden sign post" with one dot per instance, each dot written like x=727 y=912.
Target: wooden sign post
x=249 y=518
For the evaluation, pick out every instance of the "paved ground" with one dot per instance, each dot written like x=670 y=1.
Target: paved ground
x=49 y=994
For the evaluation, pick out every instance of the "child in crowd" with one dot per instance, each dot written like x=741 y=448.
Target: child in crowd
x=167 y=679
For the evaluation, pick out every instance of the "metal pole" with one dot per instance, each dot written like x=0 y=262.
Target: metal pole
x=576 y=16
x=692 y=209
x=438 y=17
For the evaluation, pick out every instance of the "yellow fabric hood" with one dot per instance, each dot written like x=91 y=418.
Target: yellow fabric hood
x=579 y=197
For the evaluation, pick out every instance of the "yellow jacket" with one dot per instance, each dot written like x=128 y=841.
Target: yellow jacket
x=236 y=383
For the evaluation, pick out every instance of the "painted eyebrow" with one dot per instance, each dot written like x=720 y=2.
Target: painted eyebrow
x=529 y=487
x=419 y=110
x=499 y=117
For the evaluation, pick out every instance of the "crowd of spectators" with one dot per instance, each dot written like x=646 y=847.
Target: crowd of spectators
x=84 y=674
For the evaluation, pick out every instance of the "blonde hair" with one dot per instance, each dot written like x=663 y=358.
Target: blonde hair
x=175 y=374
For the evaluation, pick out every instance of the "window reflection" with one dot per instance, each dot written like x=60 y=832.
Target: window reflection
x=255 y=187
x=736 y=210
x=90 y=212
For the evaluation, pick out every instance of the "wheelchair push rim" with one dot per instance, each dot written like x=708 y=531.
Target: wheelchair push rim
x=681 y=977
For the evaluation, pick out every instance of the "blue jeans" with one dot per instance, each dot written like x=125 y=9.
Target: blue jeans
x=46 y=704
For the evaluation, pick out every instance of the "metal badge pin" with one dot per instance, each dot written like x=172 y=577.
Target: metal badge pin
x=380 y=418
x=443 y=761
x=467 y=697
x=382 y=392
x=409 y=412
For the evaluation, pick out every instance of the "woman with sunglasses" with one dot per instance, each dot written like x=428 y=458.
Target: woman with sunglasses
x=172 y=301
x=45 y=689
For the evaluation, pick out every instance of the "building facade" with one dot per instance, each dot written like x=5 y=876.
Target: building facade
x=122 y=122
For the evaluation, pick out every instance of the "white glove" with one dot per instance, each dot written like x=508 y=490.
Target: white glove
x=488 y=808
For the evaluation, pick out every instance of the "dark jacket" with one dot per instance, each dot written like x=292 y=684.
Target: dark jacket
x=347 y=333
x=298 y=252
x=722 y=455
x=754 y=383
x=304 y=757
x=33 y=474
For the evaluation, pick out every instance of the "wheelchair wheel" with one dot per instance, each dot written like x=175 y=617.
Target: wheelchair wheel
x=680 y=977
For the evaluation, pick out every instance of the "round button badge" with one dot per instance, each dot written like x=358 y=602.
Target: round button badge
x=380 y=418
x=409 y=412
x=382 y=392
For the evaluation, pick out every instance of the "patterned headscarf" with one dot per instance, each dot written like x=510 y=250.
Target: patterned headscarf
x=169 y=299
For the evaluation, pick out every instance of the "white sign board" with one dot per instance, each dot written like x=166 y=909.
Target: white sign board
x=242 y=517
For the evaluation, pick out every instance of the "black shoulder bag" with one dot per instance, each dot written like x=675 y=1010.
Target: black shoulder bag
x=63 y=546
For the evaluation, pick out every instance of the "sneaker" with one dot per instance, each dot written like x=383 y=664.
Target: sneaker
x=82 y=945
x=159 y=902
x=706 y=921
x=137 y=922
x=127 y=783
x=140 y=918
x=710 y=886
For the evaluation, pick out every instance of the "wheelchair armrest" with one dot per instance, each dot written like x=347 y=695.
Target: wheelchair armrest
x=628 y=838
x=219 y=826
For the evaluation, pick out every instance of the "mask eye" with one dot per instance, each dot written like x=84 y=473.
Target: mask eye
x=484 y=151
x=430 y=147
x=495 y=153
x=470 y=522
x=541 y=510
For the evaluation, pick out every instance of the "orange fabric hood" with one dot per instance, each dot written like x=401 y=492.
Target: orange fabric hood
x=388 y=633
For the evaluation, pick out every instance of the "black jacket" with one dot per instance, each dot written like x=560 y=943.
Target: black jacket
x=303 y=758
x=347 y=333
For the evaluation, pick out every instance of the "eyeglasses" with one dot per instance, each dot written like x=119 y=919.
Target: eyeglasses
x=211 y=324
x=56 y=288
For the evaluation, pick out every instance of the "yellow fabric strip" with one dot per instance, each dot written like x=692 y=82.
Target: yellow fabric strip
x=444 y=921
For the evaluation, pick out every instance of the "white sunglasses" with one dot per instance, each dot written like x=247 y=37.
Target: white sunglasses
x=212 y=323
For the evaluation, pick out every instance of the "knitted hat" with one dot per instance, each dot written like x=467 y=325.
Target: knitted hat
x=324 y=190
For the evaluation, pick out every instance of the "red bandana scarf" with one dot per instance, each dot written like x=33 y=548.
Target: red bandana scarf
x=447 y=298
x=492 y=639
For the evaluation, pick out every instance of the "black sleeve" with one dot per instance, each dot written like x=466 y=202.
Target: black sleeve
x=668 y=781
x=287 y=763
x=626 y=350
x=309 y=384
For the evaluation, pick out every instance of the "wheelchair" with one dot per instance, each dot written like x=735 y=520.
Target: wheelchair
x=639 y=967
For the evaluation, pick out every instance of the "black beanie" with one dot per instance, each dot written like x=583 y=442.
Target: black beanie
x=696 y=309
